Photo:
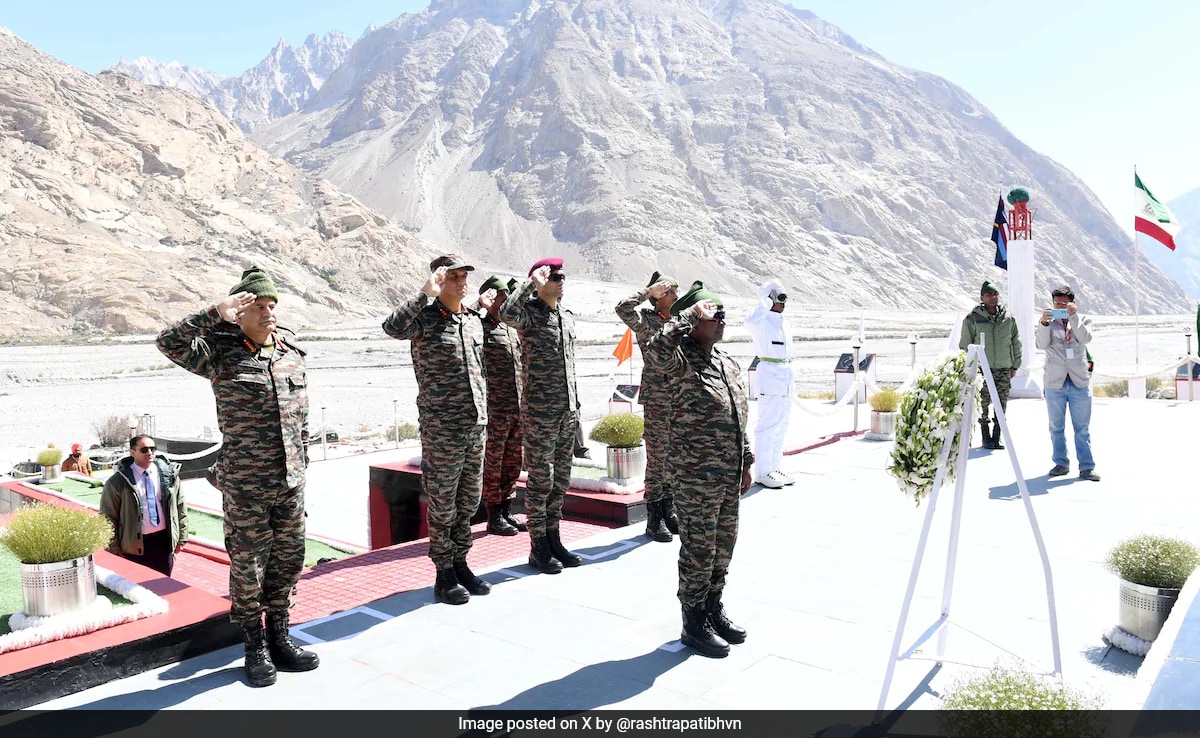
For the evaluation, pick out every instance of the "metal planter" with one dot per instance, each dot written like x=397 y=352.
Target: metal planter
x=54 y=589
x=52 y=473
x=1144 y=610
x=883 y=424
x=626 y=464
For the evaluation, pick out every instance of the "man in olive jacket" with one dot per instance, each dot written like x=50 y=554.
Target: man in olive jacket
x=144 y=501
x=1002 y=346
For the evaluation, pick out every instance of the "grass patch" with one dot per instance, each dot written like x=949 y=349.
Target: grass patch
x=200 y=523
x=588 y=472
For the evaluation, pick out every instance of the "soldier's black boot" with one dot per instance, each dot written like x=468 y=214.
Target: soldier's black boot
x=560 y=551
x=285 y=653
x=720 y=622
x=667 y=507
x=656 y=526
x=497 y=523
x=469 y=581
x=447 y=589
x=996 y=434
x=506 y=511
x=259 y=669
x=987 y=433
x=699 y=634
x=540 y=557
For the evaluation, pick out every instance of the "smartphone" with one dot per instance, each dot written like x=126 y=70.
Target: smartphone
x=1059 y=314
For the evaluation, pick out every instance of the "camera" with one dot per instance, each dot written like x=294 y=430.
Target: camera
x=1059 y=314
x=781 y=297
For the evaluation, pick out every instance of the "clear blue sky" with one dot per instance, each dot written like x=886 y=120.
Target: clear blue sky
x=1098 y=85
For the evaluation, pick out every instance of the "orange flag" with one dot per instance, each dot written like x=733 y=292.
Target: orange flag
x=624 y=349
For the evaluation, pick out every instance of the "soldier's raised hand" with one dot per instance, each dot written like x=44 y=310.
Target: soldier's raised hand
x=706 y=309
x=231 y=307
x=433 y=285
x=658 y=289
x=487 y=299
x=541 y=275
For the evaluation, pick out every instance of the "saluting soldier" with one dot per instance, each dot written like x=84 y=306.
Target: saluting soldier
x=712 y=461
x=447 y=356
x=549 y=407
x=502 y=458
x=259 y=382
x=661 y=522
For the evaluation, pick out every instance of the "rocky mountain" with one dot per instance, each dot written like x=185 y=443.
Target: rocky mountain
x=278 y=85
x=1182 y=264
x=123 y=206
x=725 y=140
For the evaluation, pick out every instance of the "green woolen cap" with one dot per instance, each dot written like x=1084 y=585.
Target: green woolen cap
x=694 y=295
x=256 y=281
x=989 y=287
x=493 y=283
x=660 y=277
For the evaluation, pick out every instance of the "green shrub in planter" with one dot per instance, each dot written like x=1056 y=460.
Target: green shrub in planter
x=885 y=400
x=50 y=456
x=621 y=430
x=45 y=534
x=1153 y=561
x=1004 y=703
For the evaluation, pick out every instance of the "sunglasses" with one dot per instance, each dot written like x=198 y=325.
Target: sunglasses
x=557 y=277
x=719 y=315
x=148 y=449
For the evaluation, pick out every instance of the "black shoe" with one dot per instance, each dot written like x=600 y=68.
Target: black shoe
x=568 y=559
x=506 y=511
x=469 y=581
x=996 y=434
x=720 y=623
x=656 y=525
x=987 y=434
x=285 y=653
x=447 y=589
x=1058 y=470
x=583 y=452
x=540 y=557
x=699 y=634
x=259 y=669
x=1089 y=474
x=667 y=507
x=498 y=524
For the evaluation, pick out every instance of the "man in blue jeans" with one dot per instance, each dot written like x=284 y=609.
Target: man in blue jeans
x=1066 y=380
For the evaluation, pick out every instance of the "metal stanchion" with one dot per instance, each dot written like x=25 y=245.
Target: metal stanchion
x=912 y=356
x=856 y=344
x=1188 y=332
x=396 y=421
x=324 y=437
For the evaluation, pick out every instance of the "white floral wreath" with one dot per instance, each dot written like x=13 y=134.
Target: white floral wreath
x=936 y=399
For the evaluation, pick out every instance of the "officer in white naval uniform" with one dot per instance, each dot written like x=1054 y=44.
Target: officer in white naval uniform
x=773 y=382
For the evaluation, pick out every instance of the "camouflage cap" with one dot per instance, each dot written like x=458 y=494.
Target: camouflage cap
x=256 y=281
x=493 y=283
x=697 y=293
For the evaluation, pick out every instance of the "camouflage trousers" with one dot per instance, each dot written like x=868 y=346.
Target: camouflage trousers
x=1003 y=385
x=264 y=535
x=549 y=448
x=708 y=526
x=452 y=480
x=502 y=460
x=659 y=484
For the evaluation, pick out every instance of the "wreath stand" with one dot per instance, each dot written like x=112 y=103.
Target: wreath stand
x=960 y=433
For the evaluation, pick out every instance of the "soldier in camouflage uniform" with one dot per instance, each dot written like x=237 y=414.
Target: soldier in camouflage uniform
x=661 y=522
x=259 y=382
x=502 y=460
x=447 y=356
x=990 y=322
x=549 y=409
x=712 y=457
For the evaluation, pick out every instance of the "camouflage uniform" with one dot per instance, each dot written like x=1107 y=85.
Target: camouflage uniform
x=709 y=412
x=502 y=463
x=447 y=355
x=549 y=402
x=654 y=395
x=262 y=411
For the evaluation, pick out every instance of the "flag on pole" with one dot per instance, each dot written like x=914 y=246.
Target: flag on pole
x=624 y=349
x=1152 y=217
x=1000 y=236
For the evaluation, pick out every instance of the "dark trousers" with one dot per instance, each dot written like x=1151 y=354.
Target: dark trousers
x=157 y=552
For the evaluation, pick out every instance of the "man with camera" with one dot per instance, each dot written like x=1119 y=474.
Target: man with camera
x=1064 y=335
x=774 y=383
x=990 y=322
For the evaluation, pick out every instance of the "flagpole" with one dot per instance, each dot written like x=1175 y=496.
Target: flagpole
x=1136 y=311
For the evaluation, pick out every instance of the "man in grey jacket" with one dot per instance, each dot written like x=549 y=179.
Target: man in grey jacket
x=1063 y=333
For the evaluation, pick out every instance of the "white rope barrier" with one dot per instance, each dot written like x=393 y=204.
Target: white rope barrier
x=1168 y=368
x=846 y=399
x=198 y=455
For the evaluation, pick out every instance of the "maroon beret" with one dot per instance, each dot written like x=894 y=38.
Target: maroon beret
x=553 y=262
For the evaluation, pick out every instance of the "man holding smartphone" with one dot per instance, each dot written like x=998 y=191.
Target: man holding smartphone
x=1064 y=335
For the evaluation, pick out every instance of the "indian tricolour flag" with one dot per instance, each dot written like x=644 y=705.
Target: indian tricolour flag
x=1152 y=217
